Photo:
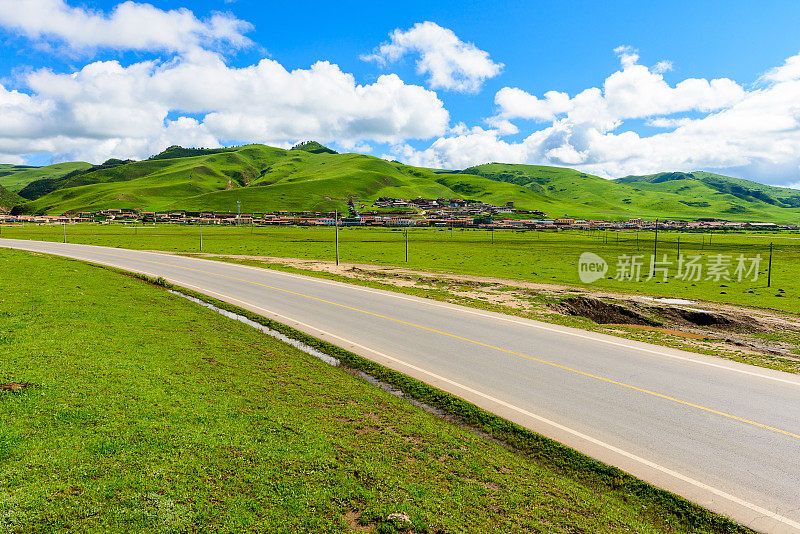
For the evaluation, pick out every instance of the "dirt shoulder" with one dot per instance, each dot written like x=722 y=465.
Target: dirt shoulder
x=761 y=336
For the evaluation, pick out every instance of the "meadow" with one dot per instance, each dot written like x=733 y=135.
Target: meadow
x=135 y=410
x=546 y=256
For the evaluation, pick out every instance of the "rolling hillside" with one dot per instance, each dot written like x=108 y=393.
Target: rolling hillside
x=262 y=178
x=665 y=195
x=8 y=199
x=313 y=177
x=701 y=183
x=16 y=177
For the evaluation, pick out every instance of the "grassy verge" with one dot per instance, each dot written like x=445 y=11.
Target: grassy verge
x=147 y=412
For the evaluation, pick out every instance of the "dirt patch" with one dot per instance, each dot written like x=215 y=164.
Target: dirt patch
x=15 y=386
x=601 y=312
x=704 y=318
x=670 y=331
x=352 y=520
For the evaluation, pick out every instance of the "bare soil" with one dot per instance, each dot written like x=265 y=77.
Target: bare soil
x=14 y=386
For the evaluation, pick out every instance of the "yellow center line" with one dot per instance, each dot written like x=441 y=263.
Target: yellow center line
x=480 y=343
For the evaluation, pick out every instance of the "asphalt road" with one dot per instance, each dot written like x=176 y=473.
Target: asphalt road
x=723 y=434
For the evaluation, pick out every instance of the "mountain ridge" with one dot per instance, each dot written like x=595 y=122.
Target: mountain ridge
x=313 y=177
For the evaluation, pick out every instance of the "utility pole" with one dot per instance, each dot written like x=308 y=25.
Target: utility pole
x=769 y=272
x=336 y=223
x=637 y=240
x=679 y=245
x=406 y=244
x=655 y=243
x=201 y=236
x=492 y=230
x=238 y=211
x=65 y=230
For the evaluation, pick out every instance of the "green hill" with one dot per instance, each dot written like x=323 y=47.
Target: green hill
x=16 y=177
x=664 y=195
x=699 y=181
x=262 y=178
x=176 y=151
x=313 y=147
x=8 y=199
x=312 y=177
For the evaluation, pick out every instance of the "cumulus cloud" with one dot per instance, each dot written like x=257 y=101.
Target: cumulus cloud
x=633 y=92
x=107 y=109
x=790 y=70
x=710 y=124
x=129 y=26
x=449 y=62
x=514 y=103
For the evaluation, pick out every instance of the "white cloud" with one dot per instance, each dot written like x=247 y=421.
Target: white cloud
x=790 y=70
x=751 y=133
x=460 y=151
x=630 y=93
x=627 y=55
x=107 y=109
x=129 y=26
x=449 y=62
x=515 y=103
x=662 y=66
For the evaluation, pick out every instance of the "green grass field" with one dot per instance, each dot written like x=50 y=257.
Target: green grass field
x=549 y=257
x=218 y=427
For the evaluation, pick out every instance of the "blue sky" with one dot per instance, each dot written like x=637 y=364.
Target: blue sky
x=620 y=68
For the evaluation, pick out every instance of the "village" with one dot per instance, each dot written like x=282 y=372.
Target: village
x=392 y=212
